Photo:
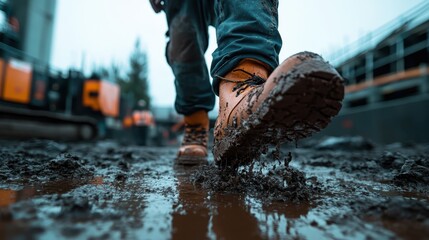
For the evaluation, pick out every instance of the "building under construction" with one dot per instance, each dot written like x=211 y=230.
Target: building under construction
x=387 y=73
x=35 y=26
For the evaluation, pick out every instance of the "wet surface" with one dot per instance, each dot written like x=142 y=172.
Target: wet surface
x=99 y=190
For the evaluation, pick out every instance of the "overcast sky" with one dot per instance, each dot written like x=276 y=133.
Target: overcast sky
x=98 y=32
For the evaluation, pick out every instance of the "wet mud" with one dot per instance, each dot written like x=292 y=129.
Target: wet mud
x=104 y=190
x=267 y=180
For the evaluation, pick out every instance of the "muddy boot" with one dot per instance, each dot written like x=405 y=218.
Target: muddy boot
x=193 y=150
x=299 y=98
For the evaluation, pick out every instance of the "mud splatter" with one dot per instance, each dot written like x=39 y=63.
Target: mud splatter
x=268 y=181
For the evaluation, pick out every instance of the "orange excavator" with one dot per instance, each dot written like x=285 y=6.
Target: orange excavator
x=38 y=102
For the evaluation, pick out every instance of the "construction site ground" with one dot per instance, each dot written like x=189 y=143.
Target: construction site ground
x=338 y=188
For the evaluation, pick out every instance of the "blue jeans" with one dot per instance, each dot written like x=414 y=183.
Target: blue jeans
x=244 y=29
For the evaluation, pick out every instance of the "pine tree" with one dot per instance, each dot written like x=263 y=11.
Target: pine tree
x=136 y=82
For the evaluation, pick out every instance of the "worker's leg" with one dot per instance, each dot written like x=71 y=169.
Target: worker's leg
x=259 y=105
x=245 y=29
x=188 y=22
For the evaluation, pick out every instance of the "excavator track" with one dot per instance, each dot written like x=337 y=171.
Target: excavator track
x=27 y=123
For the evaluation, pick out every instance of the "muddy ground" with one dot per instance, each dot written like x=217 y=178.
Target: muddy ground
x=332 y=189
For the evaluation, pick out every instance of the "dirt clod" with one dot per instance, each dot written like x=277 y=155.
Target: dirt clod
x=392 y=160
x=411 y=172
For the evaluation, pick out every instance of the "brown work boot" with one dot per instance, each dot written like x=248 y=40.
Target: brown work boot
x=194 y=145
x=299 y=98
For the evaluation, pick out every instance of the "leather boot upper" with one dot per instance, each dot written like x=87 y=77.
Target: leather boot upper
x=243 y=89
x=234 y=90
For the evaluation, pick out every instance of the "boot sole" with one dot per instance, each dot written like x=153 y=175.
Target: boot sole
x=302 y=103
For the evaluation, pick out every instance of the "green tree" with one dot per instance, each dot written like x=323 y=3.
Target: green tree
x=135 y=84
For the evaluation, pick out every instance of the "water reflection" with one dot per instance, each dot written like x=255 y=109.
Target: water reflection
x=233 y=219
x=199 y=215
x=16 y=226
x=276 y=220
x=9 y=196
x=191 y=215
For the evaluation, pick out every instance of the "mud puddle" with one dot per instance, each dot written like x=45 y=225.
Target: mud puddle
x=103 y=190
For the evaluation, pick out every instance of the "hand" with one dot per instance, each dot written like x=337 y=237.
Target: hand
x=157 y=5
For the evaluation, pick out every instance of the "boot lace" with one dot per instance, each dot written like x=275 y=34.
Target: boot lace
x=253 y=80
x=195 y=135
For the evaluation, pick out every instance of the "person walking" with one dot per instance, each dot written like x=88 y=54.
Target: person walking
x=260 y=101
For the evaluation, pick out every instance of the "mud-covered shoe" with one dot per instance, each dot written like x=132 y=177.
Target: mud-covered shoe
x=193 y=150
x=298 y=99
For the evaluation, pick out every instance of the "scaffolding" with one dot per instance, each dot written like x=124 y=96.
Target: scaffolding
x=376 y=66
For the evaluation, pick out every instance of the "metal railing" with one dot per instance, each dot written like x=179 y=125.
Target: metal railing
x=416 y=15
